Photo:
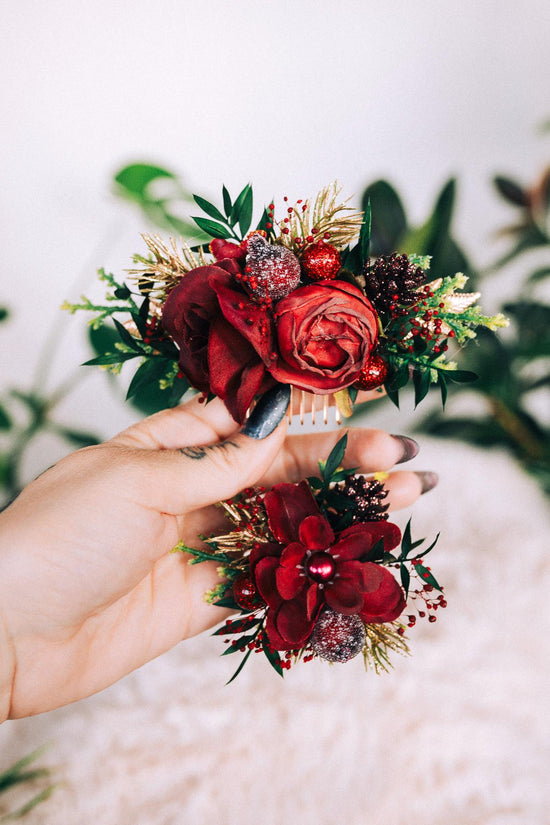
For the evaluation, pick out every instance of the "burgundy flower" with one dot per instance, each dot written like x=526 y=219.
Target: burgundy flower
x=310 y=567
x=318 y=339
x=214 y=356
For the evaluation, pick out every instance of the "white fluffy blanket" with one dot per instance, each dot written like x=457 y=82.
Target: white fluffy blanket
x=456 y=735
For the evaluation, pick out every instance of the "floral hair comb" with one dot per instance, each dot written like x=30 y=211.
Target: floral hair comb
x=315 y=569
x=297 y=300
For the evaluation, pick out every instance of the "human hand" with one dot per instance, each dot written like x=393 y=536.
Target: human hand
x=89 y=589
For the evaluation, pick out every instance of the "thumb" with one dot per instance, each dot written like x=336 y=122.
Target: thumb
x=178 y=481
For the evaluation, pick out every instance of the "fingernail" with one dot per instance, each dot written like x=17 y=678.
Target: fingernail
x=409 y=446
x=428 y=481
x=268 y=412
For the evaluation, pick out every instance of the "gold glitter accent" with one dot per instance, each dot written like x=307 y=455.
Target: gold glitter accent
x=157 y=275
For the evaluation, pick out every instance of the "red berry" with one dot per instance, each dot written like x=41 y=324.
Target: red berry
x=245 y=593
x=373 y=374
x=321 y=261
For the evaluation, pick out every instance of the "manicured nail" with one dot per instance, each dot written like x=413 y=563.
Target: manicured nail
x=428 y=481
x=268 y=412
x=409 y=448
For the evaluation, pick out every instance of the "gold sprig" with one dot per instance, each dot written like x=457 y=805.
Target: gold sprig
x=325 y=215
x=381 y=639
x=166 y=265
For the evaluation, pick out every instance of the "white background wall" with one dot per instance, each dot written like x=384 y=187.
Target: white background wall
x=289 y=95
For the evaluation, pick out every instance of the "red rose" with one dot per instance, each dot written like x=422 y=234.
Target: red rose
x=325 y=334
x=311 y=567
x=213 y=355
x=319 y=338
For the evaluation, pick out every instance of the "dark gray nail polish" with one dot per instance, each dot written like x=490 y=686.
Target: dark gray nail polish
x=409 y=446
x=428 y=480
x=268 y=412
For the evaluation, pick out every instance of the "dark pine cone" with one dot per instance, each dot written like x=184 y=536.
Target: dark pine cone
x=368 y=495
x=392 y=280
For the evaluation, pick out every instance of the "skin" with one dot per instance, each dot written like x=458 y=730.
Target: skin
x=89 y=589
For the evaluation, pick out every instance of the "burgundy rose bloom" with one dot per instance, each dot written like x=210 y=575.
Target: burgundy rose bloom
x=319 y=338
x=311 y=567
x=325 y=333
x=214 y=356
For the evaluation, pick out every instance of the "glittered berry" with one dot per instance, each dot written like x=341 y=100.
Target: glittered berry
x=392 y=280
x=373 y=374
x=271 y=271
x=336 y=637
x=321 y=261
x=245 y=593
x=368 y=495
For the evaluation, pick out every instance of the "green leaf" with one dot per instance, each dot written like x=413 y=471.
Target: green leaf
x=511 y=191
x=405 y=579
x=227 y=205
x=426 y=576
x=4 y=313
x=102 y=338
x=353 y=394
x=5 y=419
x=126 y=338
x=136 y=177
x=149 y=373
x=242 y=664
x=122 y=292
x=209 y=208
x=421 y=381
x=78 y=437
x=110 y=358
x=365 y=233
x=389 y=222
x=406 y=541
x=227 y=601
x=215 y=230
x=274 y=660
x=460 y=376
x=335 y=459
x=245 y=216
x=238 y=205
x=237 y=626
x=442 y=382
x=539 y=274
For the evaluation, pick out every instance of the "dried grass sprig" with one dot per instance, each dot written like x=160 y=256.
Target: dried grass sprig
x=159 y=272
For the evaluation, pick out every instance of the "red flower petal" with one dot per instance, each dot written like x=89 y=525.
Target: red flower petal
x=361 y=538
x=373 y=576
x=221 y=249
x=386 y=603
x=293 y=624
x=237 y=374
x=293 y=554
x=316 y=533
x=275 y=639
x=287 y=505
x=314 y=600
x=260 y=550
x=264 y=574
x=251 y=320
x=289 y=581
x=352 y=571
x=344 y=596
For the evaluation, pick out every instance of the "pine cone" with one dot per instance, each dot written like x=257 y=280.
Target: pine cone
x=392 y=280
x=368 y=495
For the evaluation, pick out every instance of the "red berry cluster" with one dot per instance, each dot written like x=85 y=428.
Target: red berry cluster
x=423 y=321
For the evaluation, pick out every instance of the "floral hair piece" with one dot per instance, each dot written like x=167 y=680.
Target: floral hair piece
x=296 y=300
x=311 y=569
x=315 y=569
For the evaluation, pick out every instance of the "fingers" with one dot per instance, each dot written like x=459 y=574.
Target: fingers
x=189 y=424
x=183 y=478
x=369 y=450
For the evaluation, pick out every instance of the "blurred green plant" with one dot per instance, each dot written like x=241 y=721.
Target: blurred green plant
x=21 y=773
x=26 y=413
x=514 y=369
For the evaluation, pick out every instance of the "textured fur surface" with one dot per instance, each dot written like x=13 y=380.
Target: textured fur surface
x=457 y=734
